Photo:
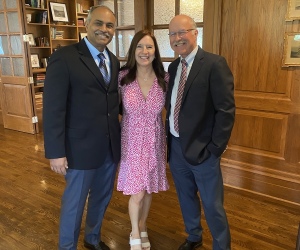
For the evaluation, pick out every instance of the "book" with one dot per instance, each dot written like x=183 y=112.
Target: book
x=34 y=3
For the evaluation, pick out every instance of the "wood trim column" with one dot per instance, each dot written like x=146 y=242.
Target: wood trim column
x=212 y=25
x=140 y=14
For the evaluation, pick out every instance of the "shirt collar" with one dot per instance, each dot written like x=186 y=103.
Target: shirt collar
x=190 y=58
x=95 y=52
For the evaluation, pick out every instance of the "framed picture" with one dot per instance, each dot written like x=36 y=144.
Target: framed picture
x=59 y=12
x=293 y=10
x=28 y=18
x=291 y=56
x=82 y=35
x=35 y=61
x=44 y=62
x=31 y=40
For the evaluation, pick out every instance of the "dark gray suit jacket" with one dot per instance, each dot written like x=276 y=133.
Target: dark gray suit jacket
x=207 y=112
x=80 y=114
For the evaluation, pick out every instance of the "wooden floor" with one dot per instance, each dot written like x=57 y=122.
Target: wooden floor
x=30 y=205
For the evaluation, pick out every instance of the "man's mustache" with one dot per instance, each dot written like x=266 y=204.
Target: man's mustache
x=102 y=33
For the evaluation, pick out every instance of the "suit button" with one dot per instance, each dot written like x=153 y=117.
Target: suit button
x=108 y=114
x=107 y=135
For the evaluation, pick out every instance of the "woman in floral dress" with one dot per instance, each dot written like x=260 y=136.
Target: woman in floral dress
x=143 y=84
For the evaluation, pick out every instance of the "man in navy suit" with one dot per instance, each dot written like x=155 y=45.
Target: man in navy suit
x=200 y=116
x=81 y=128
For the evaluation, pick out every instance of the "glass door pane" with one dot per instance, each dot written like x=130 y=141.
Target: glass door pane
x=125 y=12
x=13 y=22
x=193 y=9
x=11 y=4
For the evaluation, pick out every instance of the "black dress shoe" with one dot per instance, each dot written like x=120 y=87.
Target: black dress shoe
x=190 y=245
x=100 y=246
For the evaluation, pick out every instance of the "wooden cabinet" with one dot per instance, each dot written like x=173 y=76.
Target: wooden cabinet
x=50 y=26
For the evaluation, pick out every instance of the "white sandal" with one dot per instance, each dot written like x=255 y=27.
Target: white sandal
x=147 y=243
x=134 y=242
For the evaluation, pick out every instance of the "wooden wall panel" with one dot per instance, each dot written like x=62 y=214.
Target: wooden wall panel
x=266 y=132
x=258 y=44
x=264 y=149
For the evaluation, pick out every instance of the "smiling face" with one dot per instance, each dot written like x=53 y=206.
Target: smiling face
x=145 y=51
x=185 y=39
x=100 y=27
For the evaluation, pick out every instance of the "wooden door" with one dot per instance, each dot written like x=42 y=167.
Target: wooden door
x=17 y=94
x=264 y=151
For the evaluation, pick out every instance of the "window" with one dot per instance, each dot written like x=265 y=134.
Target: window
x=155 y=15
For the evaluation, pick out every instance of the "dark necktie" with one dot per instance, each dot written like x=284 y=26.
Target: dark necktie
x=181 y=85
x=103 y=69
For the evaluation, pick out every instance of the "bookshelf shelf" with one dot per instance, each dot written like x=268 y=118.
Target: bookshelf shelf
x=65 y=39
x=35 y=9
x=63 y=25
x=38 y=24
x=41 y=70
x=40 y=47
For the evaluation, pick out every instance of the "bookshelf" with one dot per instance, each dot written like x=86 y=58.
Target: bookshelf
x=50 y=25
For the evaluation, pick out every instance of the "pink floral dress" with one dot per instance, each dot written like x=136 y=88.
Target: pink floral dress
x=143 y=148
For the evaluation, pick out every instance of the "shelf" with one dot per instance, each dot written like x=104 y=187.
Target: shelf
x=63 y=25
x=35 y=9
x=66 y=39
x=41 y=70
x=36 y=47
x=38 y=86
x=38 y=24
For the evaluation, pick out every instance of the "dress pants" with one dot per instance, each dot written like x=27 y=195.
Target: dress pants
x=205 y=178
x=96 y=185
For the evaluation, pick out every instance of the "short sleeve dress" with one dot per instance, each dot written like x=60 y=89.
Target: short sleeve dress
x=143 y=147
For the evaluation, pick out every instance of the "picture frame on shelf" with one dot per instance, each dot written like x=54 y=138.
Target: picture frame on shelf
x=44 y=62
x=82 y=35
x=29 y=18
x=291 y=55
x=35 y=61
x=31 y=40
x=293 y=10
x=59 y=12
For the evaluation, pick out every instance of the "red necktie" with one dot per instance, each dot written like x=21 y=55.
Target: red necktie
x=179 y=94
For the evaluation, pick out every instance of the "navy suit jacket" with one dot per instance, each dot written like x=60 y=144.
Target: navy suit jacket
x=207 y=111
x=80 y=114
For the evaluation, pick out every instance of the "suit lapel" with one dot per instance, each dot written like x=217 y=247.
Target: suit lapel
x=89 y=62
x=172 y=72
x=197 y=65
x=113 y=69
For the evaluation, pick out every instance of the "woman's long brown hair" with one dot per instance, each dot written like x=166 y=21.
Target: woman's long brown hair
x=131 y=62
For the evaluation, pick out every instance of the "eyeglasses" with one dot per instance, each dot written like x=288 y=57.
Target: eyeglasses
x=180 y=33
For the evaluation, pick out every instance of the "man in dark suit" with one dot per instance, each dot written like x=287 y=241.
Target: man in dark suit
x=81 y=128
x=200 y=116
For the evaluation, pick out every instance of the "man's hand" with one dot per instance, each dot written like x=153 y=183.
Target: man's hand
x=59 y=165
